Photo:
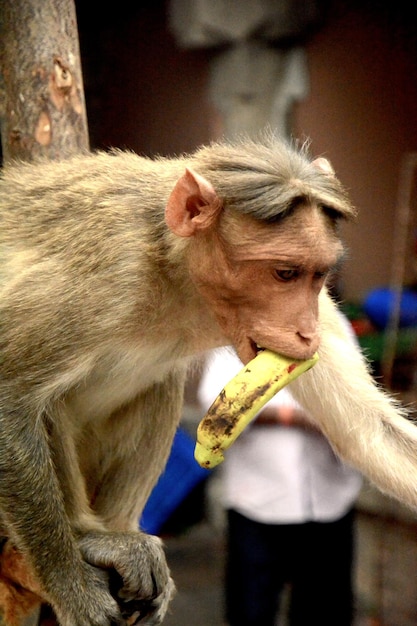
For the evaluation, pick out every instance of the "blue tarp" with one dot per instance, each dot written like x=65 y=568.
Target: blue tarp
x=181 y=475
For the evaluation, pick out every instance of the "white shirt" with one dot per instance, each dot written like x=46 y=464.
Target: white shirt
x=278 y=474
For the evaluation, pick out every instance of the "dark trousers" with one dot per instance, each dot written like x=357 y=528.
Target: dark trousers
x=314 y=559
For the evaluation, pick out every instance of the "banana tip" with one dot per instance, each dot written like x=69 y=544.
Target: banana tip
x=207 y=458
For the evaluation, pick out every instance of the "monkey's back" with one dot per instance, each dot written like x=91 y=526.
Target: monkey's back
x=86 y=234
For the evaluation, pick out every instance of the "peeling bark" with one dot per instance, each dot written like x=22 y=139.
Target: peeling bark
x=43 y=112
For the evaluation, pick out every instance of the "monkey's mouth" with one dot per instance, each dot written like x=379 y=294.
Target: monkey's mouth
x=255 y=348
x=249 y=350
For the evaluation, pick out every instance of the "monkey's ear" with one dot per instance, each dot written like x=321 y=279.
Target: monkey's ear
x=324 y=165
x=193 y=205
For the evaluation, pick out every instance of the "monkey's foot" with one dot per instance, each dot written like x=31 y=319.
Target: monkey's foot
x=139 y=577
x=144 y=612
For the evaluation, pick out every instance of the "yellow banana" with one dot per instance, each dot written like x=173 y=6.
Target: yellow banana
x=241 y=400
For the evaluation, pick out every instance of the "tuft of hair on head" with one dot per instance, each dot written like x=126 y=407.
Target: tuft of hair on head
x=267 y=176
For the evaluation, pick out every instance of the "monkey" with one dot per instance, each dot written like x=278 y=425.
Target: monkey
x=118 y=272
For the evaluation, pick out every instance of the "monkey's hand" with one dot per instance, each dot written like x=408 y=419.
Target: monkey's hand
x=139 y=577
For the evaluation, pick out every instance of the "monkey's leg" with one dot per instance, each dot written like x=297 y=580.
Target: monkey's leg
x=134 y=448
x=137 y=443
x=37 y=522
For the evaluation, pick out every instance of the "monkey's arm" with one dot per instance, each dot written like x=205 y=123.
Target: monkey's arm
x=364 y=424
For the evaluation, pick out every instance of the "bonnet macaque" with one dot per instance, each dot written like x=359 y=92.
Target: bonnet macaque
x=117 y=272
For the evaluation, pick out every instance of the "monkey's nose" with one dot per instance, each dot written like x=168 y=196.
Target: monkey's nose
x=306 y=338
x=307 y=330
x=309 y=342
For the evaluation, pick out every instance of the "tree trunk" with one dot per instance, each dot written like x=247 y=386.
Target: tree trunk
x=43 y=112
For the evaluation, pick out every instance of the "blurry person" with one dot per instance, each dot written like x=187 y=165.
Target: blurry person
x=289 y=505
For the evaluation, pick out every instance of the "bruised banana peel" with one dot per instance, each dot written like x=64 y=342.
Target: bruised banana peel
x=241 y=400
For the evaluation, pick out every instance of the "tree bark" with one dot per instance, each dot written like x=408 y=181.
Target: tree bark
x=43 y=112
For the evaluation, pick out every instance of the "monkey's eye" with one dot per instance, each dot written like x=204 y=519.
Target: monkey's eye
x=321 y=275
x=287 y=275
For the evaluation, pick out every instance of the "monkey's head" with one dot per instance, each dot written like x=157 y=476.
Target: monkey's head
x=261 y=270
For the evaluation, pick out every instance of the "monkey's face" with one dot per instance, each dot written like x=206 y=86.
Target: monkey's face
x=263 y=281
